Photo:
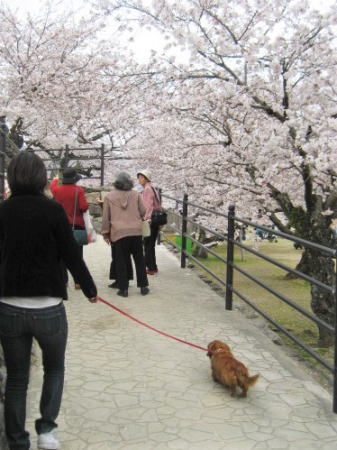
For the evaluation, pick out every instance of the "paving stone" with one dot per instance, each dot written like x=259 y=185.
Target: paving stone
x=133 y=431
x=277 y=444
x=163 y=437
x=227 y=431
x=194 y=435
x=241 y=445
x=178 y=444
x=322 y=431
x=329 y=445
x=125 y=400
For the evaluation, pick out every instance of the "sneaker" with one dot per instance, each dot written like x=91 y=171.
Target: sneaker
x=144 y=290
x=123 y=293
x=47 y=441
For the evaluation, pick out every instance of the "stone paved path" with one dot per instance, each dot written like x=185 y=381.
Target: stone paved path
x=130 y=388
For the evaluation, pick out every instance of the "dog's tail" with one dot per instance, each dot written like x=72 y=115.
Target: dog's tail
x=246 y=382
x=252 y=380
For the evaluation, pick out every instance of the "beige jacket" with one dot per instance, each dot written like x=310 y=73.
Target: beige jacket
x=123 y=212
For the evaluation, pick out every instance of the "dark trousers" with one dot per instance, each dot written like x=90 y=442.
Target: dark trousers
x=81 y=253
x=18 y=327
x=149 y=248
x=112 y=274
x=124 y=248
x=64 y=267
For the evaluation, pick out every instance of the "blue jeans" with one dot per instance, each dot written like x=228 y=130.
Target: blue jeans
x=18 y=327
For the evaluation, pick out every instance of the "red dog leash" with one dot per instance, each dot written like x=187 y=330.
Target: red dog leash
x=150 y=327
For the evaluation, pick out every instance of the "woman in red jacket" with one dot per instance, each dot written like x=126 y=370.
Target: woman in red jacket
x=66 y=194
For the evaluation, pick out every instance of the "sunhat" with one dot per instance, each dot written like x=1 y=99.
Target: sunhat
x=70 y=176
x=146 y=173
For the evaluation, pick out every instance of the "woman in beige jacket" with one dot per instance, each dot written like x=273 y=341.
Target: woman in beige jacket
x=123 y=212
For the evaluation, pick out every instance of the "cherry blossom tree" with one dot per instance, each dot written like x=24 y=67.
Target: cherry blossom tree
x=64 y=84
x=250 y=115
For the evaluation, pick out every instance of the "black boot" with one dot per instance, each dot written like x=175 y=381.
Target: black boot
x=113 y=285
x=144 y=290
x=123 y=293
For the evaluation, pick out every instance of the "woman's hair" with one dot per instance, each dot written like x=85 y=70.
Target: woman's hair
x=27 y=174
x=123 y=182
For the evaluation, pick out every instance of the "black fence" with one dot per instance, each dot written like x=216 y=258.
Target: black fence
x=230 y=287
x=96 y=155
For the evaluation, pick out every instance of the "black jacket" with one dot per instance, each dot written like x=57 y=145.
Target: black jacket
x=34 y=237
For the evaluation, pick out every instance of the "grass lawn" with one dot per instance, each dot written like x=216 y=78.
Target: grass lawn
x=296 y=290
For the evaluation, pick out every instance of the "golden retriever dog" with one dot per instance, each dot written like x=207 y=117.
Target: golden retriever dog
x=227 y=370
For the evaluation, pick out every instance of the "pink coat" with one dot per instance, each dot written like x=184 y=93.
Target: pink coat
x=150 y=200
x=123 y=212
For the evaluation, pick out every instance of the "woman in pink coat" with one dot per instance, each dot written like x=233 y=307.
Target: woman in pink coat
x=123 y=213
x=151 y=202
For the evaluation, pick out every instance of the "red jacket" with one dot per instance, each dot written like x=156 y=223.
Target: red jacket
x=65 y=195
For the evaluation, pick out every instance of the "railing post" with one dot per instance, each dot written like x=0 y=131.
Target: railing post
x=334 y=403
x=183 y=231
x=230 y=257
x=2 y=164
x=102 y=165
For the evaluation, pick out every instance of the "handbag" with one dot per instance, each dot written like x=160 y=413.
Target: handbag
x=159 y=217
x=89 y=228
x=80 y=235
x=146 y=230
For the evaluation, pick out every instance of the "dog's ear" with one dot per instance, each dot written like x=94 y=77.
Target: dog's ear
x=211 y=345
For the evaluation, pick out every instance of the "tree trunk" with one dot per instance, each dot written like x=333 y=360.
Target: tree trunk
x=199 y=252
x=321 y=268
x=303 y=266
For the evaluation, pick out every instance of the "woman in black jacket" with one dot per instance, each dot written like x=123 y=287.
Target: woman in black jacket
x=35 y=237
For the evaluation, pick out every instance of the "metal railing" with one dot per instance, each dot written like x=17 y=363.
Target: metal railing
x=2 y=164
x=69 y=155
x=229 y=284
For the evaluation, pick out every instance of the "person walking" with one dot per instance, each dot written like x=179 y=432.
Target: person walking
x=73 y=200
x=34 y=237
x=151 y=202
x=123 y=211
x=112 y=271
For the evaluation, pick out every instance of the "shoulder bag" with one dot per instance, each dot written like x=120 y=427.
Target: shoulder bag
x=159 y=217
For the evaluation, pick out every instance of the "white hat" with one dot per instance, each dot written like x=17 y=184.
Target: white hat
x=146 y=173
